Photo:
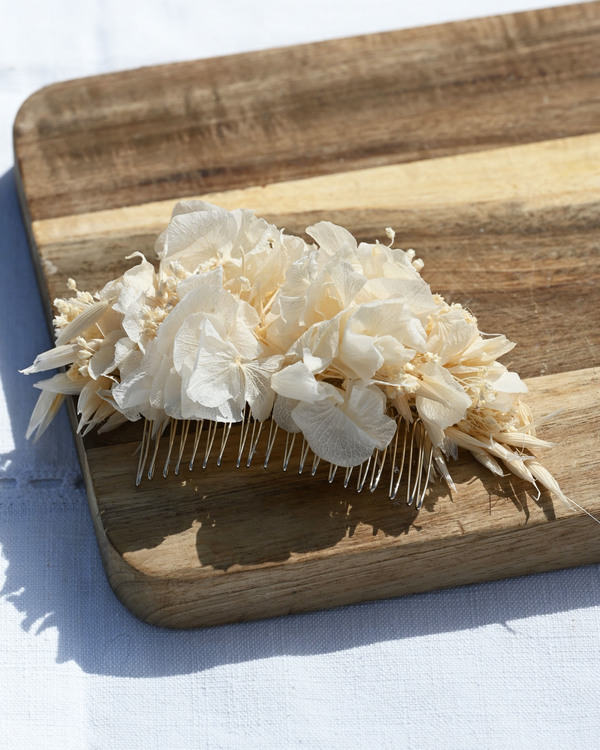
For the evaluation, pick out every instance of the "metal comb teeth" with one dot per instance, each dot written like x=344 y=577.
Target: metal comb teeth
x=410 y=455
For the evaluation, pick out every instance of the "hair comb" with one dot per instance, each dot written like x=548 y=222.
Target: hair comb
x=337 y=349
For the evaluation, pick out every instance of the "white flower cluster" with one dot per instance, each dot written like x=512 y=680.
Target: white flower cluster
x=335 y=340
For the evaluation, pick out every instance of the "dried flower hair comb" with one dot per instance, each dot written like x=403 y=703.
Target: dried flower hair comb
x=340 y=346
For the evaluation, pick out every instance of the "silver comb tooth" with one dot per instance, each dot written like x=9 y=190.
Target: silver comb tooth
x=393 y=461
x=361 y=468
x=289 y=447
x=249 y=458
x=363 y=473
x=394 y=491
x=303 y=455
x=224 y=439
x=270 y=442
x=410 y=461
x=416 y=490
x=199 y=426
x=429 y=464
x=243 y=435
x=254 y=441
x=159 y=432
x=421 y=457
x=375 y=483
x=315 y=465
x=171 y=441
x=374 y=458
x=210 y=439
x=182 y=441
x=143 y=452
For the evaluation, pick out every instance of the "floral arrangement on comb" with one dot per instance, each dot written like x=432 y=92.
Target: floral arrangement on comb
x=339 y=343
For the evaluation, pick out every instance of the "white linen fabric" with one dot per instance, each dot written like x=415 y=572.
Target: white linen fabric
x=512 y=664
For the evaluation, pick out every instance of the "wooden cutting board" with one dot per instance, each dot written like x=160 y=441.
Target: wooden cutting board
x=479 y=142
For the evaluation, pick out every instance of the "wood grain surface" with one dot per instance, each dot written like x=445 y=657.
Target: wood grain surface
x=479 y=143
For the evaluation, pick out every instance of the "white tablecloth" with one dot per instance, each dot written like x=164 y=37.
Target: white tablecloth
x=513 y=664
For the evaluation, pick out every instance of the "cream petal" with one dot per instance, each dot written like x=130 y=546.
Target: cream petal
x=383 y=261
x=333 y=239
x=136 y=281
x=451 y=403
x=127 y=361
x=228 y=411
x=509 y=382
x=376 y=333
x=91 y=407
x=216 y=304
x=506 y=385
x=296 y=381
x=62 y=355
x=331 y=434
x=214 y=277
x=132 y=394
x=442 y=468
x=488 y=461
x=314 y=364
x=348 y=282
x=545 y=478
x=123 y=348
x=366 y=406
x=257 y=385
x=199 y=234
x=133 y=323
x=216 y=376
x=393 y=352
x=522 y=440
x=346 y=435
x=451 y=335
x=391 y=317
x=82 y=322
x=61 y=383
x=187 y=338
x=321 y=303
x=435 y=433
x=400 y=401
x=192 y=206
x=322 y=340
x=300 y=275
x=172 y=395
x=102 y=362
x=464 y=440
x=483 y=351
x=414 y=292
x=359 y=354
x=101 y=414
x=252 y=231
x=245 y=342
x=115 y=420
x=156 y=396
x=291 y=309
x=282 y=413
x=45 y=410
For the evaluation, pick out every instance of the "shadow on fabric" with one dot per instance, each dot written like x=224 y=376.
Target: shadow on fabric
x=24 y=334
x=54 y=577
